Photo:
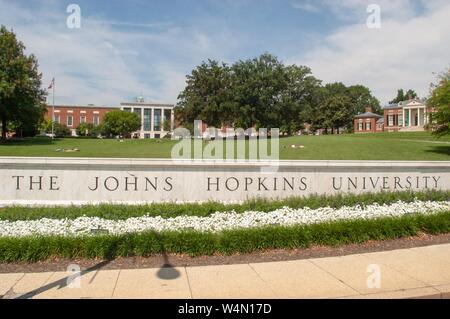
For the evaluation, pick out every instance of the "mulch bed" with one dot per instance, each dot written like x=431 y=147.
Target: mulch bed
x=256 y=257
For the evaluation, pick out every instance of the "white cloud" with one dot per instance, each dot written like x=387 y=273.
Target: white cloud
x=103 y=64
x=307 y=5
x=404 y=53
x=108 y=61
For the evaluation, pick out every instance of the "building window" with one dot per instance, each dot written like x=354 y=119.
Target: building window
x=157 y=136
x=146 y=135
x=138 y=112
x=127 y=109
x=96 y=120
x=147 y=119
x=368 y=126
x=56 y=118
x=400 y=120
x=390 y=120
x=82 y=119
x=167 y=120
x=360 y=126
x=157 y=120
x=69 y=120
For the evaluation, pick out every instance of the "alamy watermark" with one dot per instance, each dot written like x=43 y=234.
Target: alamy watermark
x=73 y=21
x=230 y=144
x=74 y=278
x=373 y=21
x=374 y=278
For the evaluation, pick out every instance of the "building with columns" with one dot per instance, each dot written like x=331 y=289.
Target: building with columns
x=157 y=120
x=407 y=116
x=410 y=115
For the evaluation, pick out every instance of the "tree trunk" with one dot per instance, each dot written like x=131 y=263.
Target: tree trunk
x=4 y=129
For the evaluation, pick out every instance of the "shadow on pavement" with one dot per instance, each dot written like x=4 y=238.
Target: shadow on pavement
x=167 y=270
x=62 y=282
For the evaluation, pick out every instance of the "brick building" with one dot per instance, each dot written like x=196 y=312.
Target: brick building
x=368 y=122
x=410 y=115
x=73 y=116
x=406 y=116
x=153 y=116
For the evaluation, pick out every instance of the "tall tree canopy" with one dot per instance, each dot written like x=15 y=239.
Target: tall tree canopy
x=440 y=101
x=263 y=92
x=207 y=95
x=22 y=101
x=259 y=92
x=337 y=104
x=402 y=96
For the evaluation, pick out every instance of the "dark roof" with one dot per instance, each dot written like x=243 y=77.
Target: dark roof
x=367 y=115
x=392 y=106
x=146 y=104
x=82 y=106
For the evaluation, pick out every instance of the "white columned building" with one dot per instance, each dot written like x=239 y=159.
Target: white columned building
x=415 y=115
x=157 y=120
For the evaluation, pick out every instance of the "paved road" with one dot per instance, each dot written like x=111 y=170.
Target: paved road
x=405 y=273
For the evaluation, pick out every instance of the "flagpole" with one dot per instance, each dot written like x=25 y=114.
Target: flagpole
x=53 y=110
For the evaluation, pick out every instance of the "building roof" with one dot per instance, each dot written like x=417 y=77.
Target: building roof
x=405 y=103
x=367 y=115
x=380 y=120
x=146 y=104
x=89 y=106
x=391 y=106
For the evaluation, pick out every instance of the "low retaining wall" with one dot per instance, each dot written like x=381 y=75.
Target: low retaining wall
x=92 y=180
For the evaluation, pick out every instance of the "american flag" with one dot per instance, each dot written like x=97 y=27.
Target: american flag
x=51 y=84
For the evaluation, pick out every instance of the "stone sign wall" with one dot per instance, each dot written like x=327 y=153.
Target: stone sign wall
x=86 y=180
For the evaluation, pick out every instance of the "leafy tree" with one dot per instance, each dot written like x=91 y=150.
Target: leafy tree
x=258 y=86
x=402 y=96
x=335 y=109
x=207 y=95
x=440 y=101
x=85 y=129
x=121 y=123
x=259 y=92
x=361 y=97
x=300 y=95
x=60 y=130
x=337 y=104
x=263 y=92
x=166 y=125
x=97 y=130
x=21 y=98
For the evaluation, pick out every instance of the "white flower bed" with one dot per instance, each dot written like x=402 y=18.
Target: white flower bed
x=216 y=222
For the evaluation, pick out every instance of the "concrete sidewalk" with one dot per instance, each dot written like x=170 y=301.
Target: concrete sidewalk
x=406 y=273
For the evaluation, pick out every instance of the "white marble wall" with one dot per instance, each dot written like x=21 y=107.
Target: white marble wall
x=85 y=180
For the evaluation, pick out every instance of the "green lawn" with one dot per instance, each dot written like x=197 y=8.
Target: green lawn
x=381 y=146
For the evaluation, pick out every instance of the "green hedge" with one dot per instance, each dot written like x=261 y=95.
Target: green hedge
x=32 y=249
x=116 y=212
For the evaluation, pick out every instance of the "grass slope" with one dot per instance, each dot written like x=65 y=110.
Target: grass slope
x=381 y=146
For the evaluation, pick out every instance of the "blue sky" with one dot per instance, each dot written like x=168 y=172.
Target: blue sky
x=127 y=48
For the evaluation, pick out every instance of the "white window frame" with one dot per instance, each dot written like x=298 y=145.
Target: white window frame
x=360 y=126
